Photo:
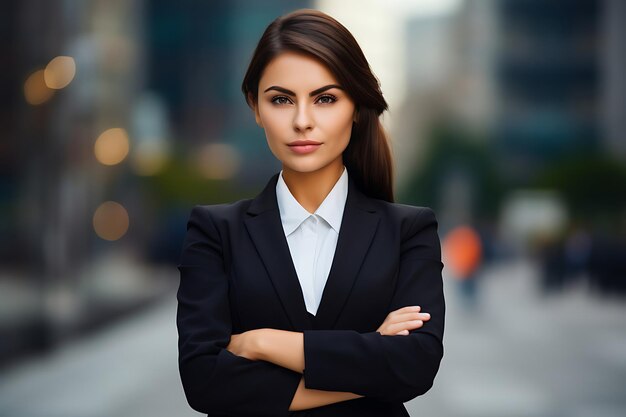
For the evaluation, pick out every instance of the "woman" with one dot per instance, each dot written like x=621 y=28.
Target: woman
x=320 y=296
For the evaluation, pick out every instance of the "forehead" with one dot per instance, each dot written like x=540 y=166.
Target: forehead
x=296 y=71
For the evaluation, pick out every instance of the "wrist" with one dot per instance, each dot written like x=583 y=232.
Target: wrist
x=259 y=343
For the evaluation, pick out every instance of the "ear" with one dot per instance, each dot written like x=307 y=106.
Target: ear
x=255 y=108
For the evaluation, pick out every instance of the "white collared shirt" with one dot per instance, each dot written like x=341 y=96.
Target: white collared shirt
x=312 y=238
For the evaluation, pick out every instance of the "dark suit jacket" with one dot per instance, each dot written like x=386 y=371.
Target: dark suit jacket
x=236 y=274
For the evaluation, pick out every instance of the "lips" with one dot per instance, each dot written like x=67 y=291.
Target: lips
x=304 y=146
x=304 y=142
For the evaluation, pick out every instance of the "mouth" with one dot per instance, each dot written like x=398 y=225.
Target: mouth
x=304 y=146
x=304 y=142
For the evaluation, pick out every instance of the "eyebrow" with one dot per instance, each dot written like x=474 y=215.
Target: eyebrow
x=311 y=94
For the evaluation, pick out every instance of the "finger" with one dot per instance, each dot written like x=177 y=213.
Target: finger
x=404 y=314
x=410 y=316
x=403 y=333
x=405 y=325
x=404 y=310
x=407 y=309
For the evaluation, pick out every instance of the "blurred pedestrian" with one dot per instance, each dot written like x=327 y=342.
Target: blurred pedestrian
x=462 y=251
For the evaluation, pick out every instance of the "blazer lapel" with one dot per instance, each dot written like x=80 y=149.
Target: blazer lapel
x=266 y=231
x=357 y=230
x=358 y=226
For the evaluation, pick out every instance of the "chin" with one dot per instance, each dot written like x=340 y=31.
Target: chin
x=311 y=166
x=302 y=168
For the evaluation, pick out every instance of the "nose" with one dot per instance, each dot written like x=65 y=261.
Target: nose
x=303 y=120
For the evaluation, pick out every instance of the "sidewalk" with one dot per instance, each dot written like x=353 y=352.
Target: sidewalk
x=129 y=369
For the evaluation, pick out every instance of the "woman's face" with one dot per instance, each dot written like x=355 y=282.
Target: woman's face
x=300 y=99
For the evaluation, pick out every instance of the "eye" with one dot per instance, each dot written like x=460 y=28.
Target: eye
x=280 y=100
x=330 y=97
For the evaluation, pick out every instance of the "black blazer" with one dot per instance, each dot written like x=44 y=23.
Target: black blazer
x=236 y=274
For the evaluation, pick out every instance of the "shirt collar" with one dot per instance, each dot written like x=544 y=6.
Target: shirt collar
x=292 y=214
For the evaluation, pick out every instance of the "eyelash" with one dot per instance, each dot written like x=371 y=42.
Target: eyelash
x=320 y=97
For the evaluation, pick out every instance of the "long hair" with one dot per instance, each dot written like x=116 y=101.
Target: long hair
x=368 y=155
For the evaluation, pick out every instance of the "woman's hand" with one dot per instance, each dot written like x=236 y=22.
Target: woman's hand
x=280 y=347
x=400 y=321
x=245 y=344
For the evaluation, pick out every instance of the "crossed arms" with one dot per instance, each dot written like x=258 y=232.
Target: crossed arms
x=286 y=349
x=263 y=371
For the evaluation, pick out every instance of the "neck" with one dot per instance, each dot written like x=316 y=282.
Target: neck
x=311 y=188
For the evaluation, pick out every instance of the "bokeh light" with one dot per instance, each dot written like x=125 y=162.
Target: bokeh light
x=35 y=89
x=112 y=146
x=60 y=72
x=110 y=220
x=218 y=161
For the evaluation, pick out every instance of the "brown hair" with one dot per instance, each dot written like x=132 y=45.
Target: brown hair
x=368 y=155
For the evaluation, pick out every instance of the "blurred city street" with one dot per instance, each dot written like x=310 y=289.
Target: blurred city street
x=505 y=117
x=518 y=353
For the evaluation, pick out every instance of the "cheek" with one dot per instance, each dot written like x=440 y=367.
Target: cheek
x=338 y=123
x=274 y=123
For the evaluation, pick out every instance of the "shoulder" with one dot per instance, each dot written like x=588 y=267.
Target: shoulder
x=222 y=210
x=409 y=218
x=217 y=216
x=417 y=225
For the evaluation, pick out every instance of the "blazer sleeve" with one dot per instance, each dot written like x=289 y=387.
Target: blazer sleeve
x=214 y=380
x=389 y=368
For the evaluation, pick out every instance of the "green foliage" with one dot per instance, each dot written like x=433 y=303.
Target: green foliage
x=452 y=148
x=592 y=184
x=180 y=183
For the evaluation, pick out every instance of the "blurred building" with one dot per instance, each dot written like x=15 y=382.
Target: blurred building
x=613 y=64
x=73 y=72
x=552 y=78
x=450 y=59
x=561 y=95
